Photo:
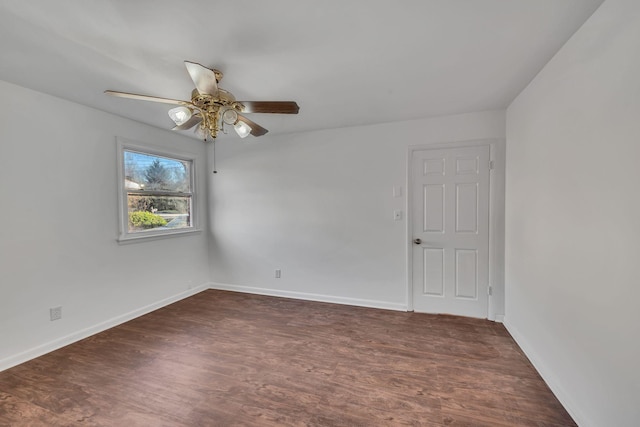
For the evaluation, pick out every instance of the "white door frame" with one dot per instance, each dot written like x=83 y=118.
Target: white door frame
x=496 y=229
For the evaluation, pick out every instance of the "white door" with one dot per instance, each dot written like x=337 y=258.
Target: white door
x=450 y=230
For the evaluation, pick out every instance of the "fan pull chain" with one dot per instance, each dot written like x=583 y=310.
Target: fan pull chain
x=214 y=156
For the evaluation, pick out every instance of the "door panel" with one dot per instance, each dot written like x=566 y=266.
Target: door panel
x=466 y=273
x=450 y=211
x=467 y=165
x=433 y=259
x=433 y=166
x=467 y=208
x=433 y=208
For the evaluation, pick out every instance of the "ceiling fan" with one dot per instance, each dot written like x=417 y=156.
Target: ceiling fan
x=212 y=107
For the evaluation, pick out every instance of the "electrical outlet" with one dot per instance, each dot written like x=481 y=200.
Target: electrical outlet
x=278 y=273
x=55 y=313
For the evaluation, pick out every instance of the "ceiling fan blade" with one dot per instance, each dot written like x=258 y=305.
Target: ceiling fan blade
x=276 y=107
x=256 y=129
x=146 y=97
x=203 y=77
x=194 y=120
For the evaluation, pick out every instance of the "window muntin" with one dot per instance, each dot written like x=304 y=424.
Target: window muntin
x=157 y=193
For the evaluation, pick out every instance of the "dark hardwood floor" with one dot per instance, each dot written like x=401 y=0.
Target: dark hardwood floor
x=229 y=359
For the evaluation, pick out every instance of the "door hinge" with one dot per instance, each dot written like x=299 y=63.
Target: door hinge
x=490 y=164
x=489 y=291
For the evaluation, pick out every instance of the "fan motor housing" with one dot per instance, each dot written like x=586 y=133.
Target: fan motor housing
x=222 y=98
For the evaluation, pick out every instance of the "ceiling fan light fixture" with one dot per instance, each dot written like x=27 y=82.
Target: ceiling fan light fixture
x=180 y=115
x=242 y=129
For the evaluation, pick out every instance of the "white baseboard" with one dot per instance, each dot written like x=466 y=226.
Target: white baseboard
x=43 y=349
x=499 y=318
x=547 y=374
x=310 y=297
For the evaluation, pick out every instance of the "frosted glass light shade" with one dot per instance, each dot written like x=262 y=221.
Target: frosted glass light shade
x=242 y=129
x=180 y=115
x=229 y=116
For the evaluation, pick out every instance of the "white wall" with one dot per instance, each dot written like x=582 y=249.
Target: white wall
x=319 y=206
x=573 y=219
x=58 y=226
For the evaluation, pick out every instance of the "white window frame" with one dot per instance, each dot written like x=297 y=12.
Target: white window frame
x=125 y=236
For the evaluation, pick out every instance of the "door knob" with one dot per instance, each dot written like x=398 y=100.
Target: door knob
x=417 y=241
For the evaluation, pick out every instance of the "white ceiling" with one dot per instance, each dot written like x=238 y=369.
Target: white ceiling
x=346 y=62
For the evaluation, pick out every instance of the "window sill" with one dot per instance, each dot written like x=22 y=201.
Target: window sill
x=137 y=238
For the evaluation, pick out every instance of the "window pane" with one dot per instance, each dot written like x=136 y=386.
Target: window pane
x=154 y=212
x=157 y=195
x=150 y=172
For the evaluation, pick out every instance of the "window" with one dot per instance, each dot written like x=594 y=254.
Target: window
x=157 y=193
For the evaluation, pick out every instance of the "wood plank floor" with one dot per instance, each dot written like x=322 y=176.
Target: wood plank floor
x=230 y=359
